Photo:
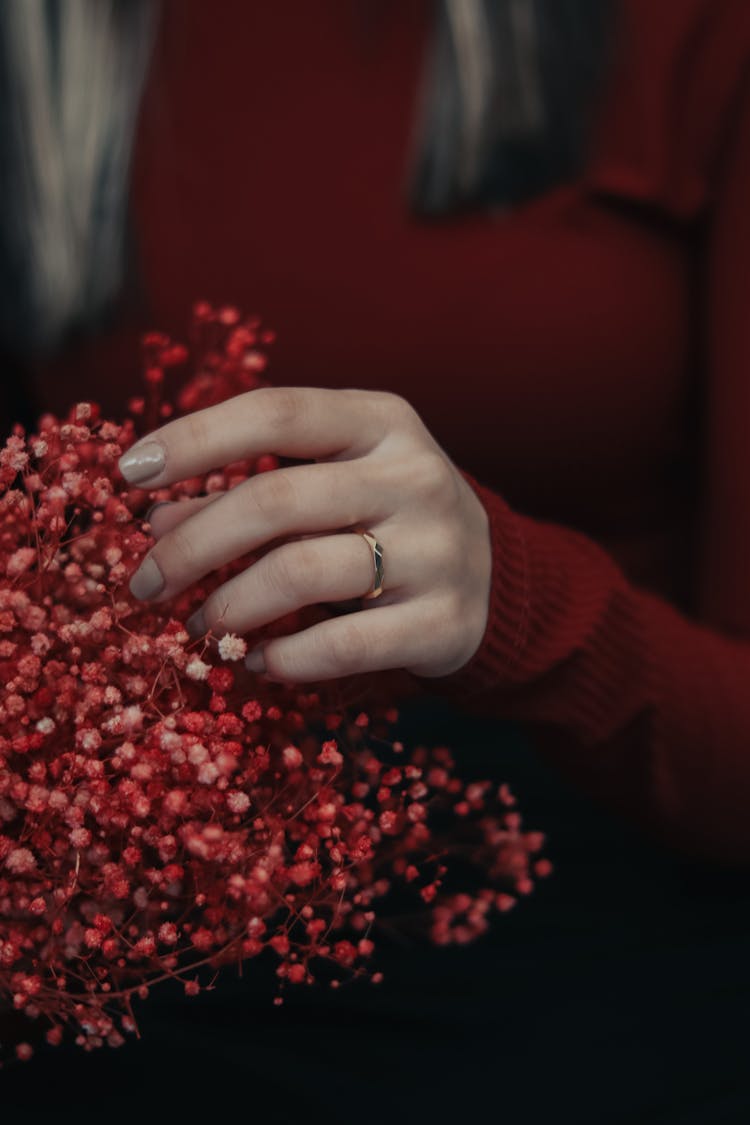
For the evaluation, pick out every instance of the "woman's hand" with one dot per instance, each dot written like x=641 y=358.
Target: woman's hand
x=374 y=466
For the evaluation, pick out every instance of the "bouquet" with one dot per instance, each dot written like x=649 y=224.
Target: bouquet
x=163 y=812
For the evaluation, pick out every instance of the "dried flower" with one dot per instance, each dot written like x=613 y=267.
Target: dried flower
x=163 y=812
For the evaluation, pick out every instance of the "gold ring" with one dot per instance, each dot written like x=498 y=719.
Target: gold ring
x=377 y=559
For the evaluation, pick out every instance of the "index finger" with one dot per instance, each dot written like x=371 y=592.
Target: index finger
x=304 y=422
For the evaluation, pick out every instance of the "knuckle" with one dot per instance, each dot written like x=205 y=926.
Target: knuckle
x=176 y=553
x=432 y=476
x=397 y=409
x=284 y=406
x=197 y=431
x=283 y=572
x=347 y=647
x=304 y=559
x=270 y=493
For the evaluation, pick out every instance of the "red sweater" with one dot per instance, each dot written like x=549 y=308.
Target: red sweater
x=586 y=357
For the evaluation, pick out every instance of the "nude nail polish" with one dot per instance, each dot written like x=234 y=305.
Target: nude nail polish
x=142 y=462
x=255 y=661
x=147 y=582
x=196 y=625
x=152 y=509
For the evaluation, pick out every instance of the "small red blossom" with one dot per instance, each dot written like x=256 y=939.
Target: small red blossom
x=156 y=820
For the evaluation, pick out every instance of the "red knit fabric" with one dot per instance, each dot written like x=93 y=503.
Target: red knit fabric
x=643 y=708
x=586 y=358
x=647 y=707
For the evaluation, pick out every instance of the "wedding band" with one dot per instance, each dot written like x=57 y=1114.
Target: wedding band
x=377 y=559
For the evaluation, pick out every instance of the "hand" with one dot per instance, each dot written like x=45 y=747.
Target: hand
x=374 y=465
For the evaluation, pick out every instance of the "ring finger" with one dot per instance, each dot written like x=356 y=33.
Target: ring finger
x=309 y=498
x=303 y=572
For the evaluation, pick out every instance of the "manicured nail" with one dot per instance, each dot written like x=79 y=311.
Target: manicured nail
x=255 y=661
x=147 y=581
x=196 y=625
x=159 y=504
x=142 y=462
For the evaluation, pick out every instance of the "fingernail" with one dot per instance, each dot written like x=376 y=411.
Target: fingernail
x=142 y=462
x=152 y=509
x=147 y=582
x=196 y=624
x=255 y=661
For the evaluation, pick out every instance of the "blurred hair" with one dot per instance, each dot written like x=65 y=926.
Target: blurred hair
x=508 y=99
x=505 y=113
x=71 y=75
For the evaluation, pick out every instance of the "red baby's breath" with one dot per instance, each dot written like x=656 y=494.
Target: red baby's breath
x=162 y=811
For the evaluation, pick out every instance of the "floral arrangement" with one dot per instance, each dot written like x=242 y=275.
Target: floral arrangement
x=162 y=811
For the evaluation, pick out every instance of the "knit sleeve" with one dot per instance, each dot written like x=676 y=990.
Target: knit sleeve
x=646 y=708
